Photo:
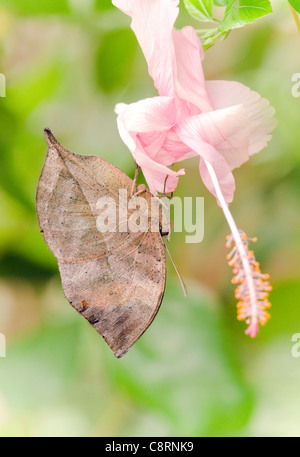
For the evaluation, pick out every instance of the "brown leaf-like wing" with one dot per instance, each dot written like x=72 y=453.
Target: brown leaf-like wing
x=115 y=280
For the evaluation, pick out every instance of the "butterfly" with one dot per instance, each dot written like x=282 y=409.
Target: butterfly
x=115 y=280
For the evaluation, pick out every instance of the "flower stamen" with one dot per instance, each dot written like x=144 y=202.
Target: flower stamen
x=252 y=295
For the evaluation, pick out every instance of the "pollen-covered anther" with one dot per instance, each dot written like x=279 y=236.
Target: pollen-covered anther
x=253 y=287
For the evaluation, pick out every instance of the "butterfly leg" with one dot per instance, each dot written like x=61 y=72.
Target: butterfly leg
x=136 y=175
x=164 y=192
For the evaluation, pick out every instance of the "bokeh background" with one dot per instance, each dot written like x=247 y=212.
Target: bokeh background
x=194 y=372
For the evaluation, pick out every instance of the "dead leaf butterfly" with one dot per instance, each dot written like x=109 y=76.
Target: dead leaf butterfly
x=115 y=280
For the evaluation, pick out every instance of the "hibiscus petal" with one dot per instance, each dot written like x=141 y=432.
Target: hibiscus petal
x=224 y=175
x=159 y=178
x=224 y=94
x=189 y=76
x=148 y=115
x=157 y=114
x=228 y=131
x=152 y=23
x=144 y=120
x=190 y=131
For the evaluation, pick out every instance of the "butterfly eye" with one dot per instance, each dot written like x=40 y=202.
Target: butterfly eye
x=163 y=231
x=142 y=188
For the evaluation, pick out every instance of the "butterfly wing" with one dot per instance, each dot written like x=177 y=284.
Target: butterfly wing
x=116 y=280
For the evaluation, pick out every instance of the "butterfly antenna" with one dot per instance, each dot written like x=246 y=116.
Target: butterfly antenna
x=184 y=288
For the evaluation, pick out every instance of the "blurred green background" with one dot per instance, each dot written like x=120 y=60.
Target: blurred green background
x=194 y=372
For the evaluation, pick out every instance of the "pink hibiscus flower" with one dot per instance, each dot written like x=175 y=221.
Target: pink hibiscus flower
x=221 y=122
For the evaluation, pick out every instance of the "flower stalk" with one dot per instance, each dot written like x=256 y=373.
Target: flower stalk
x=253 y=288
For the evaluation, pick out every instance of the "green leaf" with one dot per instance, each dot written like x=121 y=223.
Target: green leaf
x=242 y=12
x=200 y=9
x=295 y=4
x=221 y=2
x=208 y=37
